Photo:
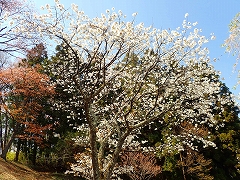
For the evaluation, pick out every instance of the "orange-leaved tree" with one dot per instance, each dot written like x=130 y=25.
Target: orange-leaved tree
x=27 y=88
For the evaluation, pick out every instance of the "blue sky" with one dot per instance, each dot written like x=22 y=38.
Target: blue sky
x=213 y=16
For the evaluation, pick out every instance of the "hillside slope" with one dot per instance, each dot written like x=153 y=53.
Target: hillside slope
x=15 y=171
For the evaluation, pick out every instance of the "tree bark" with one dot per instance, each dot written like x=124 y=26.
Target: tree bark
x=93 y=142
x=18 y=150
x=112 y=163
x=6 y=132
x=7 y=146
x=183 y=167
x=34 y=153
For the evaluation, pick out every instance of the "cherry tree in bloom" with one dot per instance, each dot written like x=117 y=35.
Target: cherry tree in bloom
x=123 y=77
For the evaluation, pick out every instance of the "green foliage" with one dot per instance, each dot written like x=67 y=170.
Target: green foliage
x=224 y=159
x=170 y=163
x=10 y=156
x=59 y=157
x=22 y=158
x=35 y=56
x=170 y=170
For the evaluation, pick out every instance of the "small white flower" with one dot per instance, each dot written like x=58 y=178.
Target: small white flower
x=213 y=37
x=194 y=24
x=120 y=13
x=47 y=6
x=11 y=23
x=186 y=15
x=134 y=14
x=74 y=7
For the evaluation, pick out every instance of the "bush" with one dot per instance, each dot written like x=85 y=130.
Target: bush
x=21 y=158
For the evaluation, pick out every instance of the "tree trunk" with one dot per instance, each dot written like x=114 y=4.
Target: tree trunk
x=34 y=154
x=93 y=143
x=6 y=132
x=25 y=149
x=113 y=161
x=7 y=146
x=18 y=150
x=183 y=166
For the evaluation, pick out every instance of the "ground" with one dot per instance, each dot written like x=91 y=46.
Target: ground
x=16 y=171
